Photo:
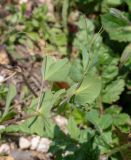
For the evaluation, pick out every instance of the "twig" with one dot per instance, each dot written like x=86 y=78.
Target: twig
x=28 y=84
x=20 y=71
x=9 y=77
x=14 y=121
x=119 y=149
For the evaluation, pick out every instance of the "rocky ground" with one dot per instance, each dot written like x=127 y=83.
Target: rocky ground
x=29 y=147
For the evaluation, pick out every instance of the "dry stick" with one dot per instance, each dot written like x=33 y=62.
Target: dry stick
x=28 y=84
x=22 y=101
x=7 y=67
x=19 y=71
x=12 y=75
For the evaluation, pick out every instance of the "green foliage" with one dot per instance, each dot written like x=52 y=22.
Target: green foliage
x=88 y=90
x=112 y=91
x=10 y=96
x=55 y=70
x=73 y=130
x=3 y=92
x=126 y=55
x=97 y=73
x=117 y=25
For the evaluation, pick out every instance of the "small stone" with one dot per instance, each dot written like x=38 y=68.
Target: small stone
x=34 y=142
x=1 y=79
x=4 y=149
x=13 y=146
x=44 y=145
x=103 y=157
x=23 y=1
x=24 y=143
x=61 y=121
x=21 y=155
x=2 y=127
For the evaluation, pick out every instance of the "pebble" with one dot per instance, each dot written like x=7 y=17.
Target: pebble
x=1 y=79
x=2 y=127
x=34 y=142
x=21 y=155
x=103 y=157
x=61 y=121
x=4 y=149
x=23 y=1
x=24 y=143
x=44 y=145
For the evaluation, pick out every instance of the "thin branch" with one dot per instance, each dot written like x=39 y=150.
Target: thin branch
x=119 y=149
x=20 y=71
x=16 y=120
x=12 y=75
x=28 y=84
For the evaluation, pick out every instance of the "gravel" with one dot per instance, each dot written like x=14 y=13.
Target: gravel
x=4 y=149
x=35 y=142
x=24 y=143
x=44 y=145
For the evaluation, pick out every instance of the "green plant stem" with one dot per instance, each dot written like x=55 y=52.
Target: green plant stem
x=65 y=14
x=25 y=117
x=86 y=68
x=91 y=44
x=41 y=95
x=119 y=149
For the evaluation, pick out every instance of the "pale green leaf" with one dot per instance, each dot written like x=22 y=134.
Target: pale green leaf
x=117 y=25
x=76 y=70
x=73 y=130
x=105 y=121
x=113 y=91
x=121 y=119
x=85 y=58
x=126 y=55
x=10 y=96
x=42 y=124
x=55 y=70
x=112 y=2
x=48 y=101
x=65 y=12
x=89 y=90
x=93 y=117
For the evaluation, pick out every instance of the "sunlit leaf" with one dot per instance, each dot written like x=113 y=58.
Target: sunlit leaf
x=55 y=70
x=113 y=91
x=89 y=90
x=10 y=96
